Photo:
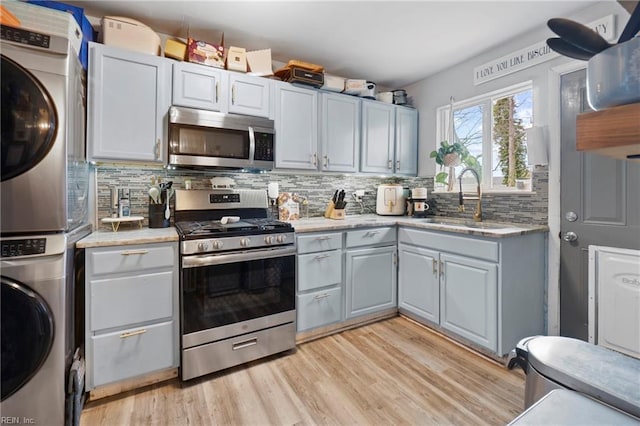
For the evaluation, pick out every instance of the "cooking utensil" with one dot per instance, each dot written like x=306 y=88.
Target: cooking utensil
x=632 y=27
x=567 y=49
x=154 y=193
x=170 y=191
x=579 y=35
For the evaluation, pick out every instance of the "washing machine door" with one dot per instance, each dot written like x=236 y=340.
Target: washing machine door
x=29 y=120
x=27 y=335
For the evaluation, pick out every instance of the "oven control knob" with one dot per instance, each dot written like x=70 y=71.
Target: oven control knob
x=203 y=246
x=244 y=242
x=268 y=239
x=281 y=238
x=218 y=244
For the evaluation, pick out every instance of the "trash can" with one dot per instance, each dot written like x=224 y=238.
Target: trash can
x=554 y=362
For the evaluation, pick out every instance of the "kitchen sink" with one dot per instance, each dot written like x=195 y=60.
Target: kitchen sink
x=468 y=224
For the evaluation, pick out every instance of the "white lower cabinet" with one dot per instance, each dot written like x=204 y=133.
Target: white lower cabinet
x=345 y=275
x=371 y=279
x=468 y=299
x=419 y=282
x=131 y=311
x=489 y=291
x=319 y=280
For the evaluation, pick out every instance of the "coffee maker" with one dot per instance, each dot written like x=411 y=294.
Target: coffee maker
x=120 y=202
x=417 y=203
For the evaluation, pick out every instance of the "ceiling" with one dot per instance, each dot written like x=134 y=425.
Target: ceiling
x=392 y=43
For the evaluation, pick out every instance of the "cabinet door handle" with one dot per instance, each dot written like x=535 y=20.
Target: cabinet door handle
x=321 y=256
x=245 y=344
x=435 y=267
x=217 y=91
x=157 y=149
x=395 y=258
x=326 y=161
x=321 y=296
x=389 y=164
x=314 y=159
x=398 y=165
x=441 y=269
x=133 y=333
x=132 y=252
x=233 y=94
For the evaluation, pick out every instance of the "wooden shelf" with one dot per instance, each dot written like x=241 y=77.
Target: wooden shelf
x=614 y=132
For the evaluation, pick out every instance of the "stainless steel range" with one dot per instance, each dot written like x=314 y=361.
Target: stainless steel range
x=237 y=280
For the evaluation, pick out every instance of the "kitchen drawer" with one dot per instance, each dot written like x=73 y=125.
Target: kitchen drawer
x=319 y=308
x=131 y=258
x=116 y=302
x=132 y=352
x=237 y=350
x=321 y=269
x=373 y=236
x=319 y=242
x=464 y=246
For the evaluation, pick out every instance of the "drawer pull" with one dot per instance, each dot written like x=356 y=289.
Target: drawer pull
x=245 y=344
x=321 y=296
x=323 y=238
x=132 y=333
x=131 y=252
x=321 y=256
x=371 y=233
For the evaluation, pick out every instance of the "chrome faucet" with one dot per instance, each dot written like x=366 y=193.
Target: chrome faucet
x=477 y=215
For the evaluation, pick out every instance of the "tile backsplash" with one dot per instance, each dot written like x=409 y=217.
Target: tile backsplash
x=318 y=189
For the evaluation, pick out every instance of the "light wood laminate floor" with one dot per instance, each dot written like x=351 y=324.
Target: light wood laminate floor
x=390 y=372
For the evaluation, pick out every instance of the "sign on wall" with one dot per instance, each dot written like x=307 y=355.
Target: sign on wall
x=533 y=55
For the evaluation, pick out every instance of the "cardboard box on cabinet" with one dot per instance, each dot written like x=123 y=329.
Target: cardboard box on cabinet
x=175 y=49
x=237 y=59
x=259 y=62
x=201 y=48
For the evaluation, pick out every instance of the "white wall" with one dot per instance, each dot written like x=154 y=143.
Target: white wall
x=436 y=91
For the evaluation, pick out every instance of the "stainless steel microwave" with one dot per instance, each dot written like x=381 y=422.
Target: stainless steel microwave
x=199 y=138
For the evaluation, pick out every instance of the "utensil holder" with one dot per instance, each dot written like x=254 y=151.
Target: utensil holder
x=156 y=216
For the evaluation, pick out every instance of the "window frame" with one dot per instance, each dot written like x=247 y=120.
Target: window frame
x=486 y=100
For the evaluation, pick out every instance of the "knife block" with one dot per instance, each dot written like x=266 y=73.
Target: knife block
x=333 y=213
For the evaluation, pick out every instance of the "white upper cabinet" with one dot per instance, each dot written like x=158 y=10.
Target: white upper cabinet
x=339 y=132
x=406 y=144
x=378 y=132
x=129 y=95
x=198 y=86
x=389 y=139
x=249 y=95
x=296 y=123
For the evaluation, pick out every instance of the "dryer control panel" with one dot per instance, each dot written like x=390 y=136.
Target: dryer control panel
x=23 y=247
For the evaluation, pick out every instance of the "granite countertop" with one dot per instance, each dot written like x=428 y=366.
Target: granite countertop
x=128 y=237
x=459 y=226
x=486 y=229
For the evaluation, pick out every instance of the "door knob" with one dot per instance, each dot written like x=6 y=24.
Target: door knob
x=570 y=236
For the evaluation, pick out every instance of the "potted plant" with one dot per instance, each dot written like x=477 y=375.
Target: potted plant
x=449 y=155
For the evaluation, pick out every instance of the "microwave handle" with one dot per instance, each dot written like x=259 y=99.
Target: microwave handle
x=252 y=145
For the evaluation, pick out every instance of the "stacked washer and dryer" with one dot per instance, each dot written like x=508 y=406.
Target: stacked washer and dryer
x=43 y=191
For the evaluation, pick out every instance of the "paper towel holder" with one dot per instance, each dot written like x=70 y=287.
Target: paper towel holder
x=537 y=146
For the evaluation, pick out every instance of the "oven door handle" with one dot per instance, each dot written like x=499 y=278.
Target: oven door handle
x=219 y=259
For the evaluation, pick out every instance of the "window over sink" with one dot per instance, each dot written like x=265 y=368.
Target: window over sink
x=492 y=129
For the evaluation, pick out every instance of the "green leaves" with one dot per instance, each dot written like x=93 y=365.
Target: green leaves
x=446 y=148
